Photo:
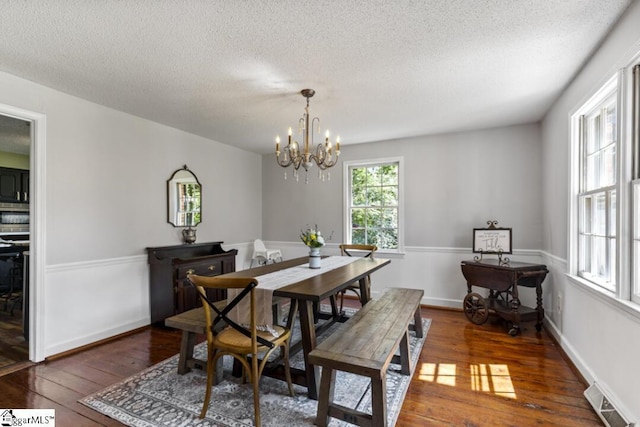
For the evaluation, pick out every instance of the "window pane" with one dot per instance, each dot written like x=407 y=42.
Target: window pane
x=374 y=218
x=611 y=279
x=374 y=205
x=610 y=124
x=612 y=213
x=599 y=260
x=600 y=215
x=585 y=215
x=593 y=135
x=388 y=238
x=372 y=176
x=358 y=237
x=584 y=262
x=358 y=177
x=389 y=218
x=358 y=218
x=390 y=196
x=390 y=175
x=593 y=171
x=608 y=166
x=359 y=196
x=374 y=196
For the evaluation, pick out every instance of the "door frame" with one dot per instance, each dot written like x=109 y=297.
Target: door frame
x=37 y=226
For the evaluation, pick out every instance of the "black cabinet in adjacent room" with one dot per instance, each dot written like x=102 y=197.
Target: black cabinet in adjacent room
x=14 y=185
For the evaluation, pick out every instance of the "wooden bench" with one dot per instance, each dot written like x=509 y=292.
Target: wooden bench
x=192 y=323
x=365 y=345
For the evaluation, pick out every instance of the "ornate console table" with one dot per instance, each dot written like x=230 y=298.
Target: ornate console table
x=503 y=280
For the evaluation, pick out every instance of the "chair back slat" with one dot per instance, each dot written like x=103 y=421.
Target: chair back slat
x=369 y=249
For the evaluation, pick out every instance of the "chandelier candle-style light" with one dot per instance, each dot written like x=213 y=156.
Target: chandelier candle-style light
x=324 y=155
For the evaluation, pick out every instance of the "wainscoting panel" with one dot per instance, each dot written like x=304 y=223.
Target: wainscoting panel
x=435 y=270
x=89 y=301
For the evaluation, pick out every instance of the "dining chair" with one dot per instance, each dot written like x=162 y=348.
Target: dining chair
x=260 y=252
x=241 y=341
x=365 y=251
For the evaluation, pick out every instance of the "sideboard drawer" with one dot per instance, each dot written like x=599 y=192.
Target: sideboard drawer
x=211 y=267
x=186 y=296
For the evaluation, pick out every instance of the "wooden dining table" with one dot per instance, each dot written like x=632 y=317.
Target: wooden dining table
x=308 y=293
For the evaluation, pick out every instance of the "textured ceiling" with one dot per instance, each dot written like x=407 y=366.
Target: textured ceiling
x=232 y=70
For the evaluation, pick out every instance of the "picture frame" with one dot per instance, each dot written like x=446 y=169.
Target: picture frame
x=492 y=240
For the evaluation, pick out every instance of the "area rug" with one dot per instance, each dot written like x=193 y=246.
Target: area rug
x=158 y=396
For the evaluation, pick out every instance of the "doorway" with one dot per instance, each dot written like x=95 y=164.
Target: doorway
x=15 y=153
x=35 y=266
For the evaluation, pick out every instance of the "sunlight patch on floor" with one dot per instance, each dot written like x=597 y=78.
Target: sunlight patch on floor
x=492 y=379
x=440 y=373
x=487 y=378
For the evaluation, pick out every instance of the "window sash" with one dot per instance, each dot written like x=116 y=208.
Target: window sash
x=597 y=239
x=373 y=214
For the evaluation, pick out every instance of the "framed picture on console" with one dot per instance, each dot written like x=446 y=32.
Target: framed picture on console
x=492 y=240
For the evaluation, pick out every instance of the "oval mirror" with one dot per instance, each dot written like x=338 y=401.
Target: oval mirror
x=184 y=198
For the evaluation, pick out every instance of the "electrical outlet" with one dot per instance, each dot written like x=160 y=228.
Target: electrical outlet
x=559 y=303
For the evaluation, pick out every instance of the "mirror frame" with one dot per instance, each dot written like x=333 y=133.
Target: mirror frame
x=180 y=175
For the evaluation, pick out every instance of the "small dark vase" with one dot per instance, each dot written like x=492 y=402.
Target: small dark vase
x=189 y=235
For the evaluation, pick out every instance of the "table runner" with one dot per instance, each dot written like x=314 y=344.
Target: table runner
x=267 y=283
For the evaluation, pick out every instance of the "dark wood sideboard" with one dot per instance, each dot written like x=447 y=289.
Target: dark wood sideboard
x=169 y=267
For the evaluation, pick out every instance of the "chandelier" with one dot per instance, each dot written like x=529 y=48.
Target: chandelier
x=323 y=154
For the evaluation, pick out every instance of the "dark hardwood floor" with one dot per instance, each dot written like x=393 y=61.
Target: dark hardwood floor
x=14 y=349
x=467 y=375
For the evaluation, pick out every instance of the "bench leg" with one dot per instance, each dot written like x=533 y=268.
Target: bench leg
x=327 y=386
x=405 y=366
x=186 y=351
x=379 y=401
x=417 y=320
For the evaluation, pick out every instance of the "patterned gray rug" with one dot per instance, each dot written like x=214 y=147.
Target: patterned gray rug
x=158 y=396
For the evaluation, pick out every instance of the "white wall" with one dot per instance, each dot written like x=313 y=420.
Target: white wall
x=453 y=182
x=105 y=186
x=601 y=337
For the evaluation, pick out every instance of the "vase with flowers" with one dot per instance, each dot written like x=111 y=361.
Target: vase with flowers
x=312 y=237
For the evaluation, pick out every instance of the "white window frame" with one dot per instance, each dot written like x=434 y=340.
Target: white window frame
x=346 y=168
x=626 y=294
x=634 y=132
x=604 y=99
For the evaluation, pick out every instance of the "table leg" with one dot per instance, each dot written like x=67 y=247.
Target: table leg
x=539 y=308
x=308 y=332
x=365 y=297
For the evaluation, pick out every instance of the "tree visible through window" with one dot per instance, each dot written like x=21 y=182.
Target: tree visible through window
x=373 y=204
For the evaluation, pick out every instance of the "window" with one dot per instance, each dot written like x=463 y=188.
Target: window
x=597 y=197
x=373 y=197
x=605 y=180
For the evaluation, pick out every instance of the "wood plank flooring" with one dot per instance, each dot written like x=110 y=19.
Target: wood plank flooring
x=14 y=350
x=467 y=375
